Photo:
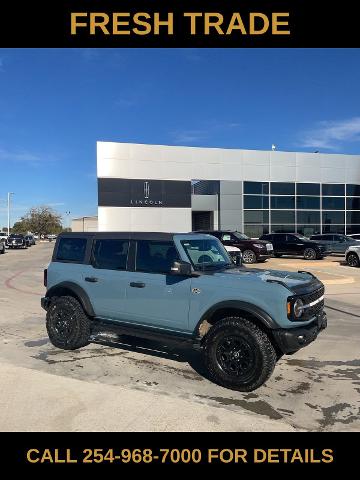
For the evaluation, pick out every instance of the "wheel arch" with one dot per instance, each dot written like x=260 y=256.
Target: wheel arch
x=74 y=290
x=235 y=308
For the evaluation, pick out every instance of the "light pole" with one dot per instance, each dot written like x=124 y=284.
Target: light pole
x=8 y=208
x=67 y=218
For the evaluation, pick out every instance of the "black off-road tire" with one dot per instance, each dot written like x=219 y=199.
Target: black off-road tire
x=67 y=324
x=256 y=355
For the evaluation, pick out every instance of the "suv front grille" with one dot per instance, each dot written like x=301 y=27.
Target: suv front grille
x=313 y=310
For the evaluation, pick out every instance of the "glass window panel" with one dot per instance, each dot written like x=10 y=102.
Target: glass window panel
x=333 y=228
x=308 y=189
x=351 y=229
x=308 y=203
x=283 y=202
x=352 y=217
x=110 y=254
x=71 y=249
x=256 y=231
x=284 y=216
x=333 y=217
x=308 y=217
x=308 y=230
x=283 y=228
x=353 y=190
x=337 y=189
x=256 y=201
x=256 y=216
x=353 y=203
x=281 y=188
x=155 y=256
x=260 y=188
x=333 y=203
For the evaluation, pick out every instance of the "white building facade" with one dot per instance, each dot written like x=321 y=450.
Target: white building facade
x=179 y=189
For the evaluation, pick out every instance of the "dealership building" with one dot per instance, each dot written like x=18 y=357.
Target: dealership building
x=179 y=189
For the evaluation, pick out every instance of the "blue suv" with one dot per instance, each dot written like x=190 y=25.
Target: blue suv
x=183 y=288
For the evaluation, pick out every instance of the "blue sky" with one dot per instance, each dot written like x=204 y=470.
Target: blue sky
x=55 y=105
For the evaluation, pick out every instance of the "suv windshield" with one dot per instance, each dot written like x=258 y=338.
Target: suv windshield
x=206 y=254
x=14 y=235
x=241 y=236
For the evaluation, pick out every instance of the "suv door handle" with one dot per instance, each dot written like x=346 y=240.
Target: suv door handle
x=91 y=279
x=137 y=284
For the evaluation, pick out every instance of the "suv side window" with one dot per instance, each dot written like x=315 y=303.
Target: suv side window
x=71 y=250
x=110 y=254
x=155 y=256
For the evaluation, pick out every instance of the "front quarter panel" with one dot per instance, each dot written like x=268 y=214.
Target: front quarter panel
x=209 y=290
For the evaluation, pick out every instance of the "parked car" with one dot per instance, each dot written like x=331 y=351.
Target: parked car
x=16 y=240
x=235 y=254
x=296 y=244
x=352 y=255
x=173 y=287
x=355 y=236
x=336 y=243
x=30 y=240
x=3 y=235
x=252 y=250
x=2 y=245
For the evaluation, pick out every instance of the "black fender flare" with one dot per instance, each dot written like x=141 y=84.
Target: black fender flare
x=263 y=317
x=76 y=290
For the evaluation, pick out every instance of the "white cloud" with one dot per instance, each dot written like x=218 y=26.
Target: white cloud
x=24 y=156
x=332 y=134
x=188 y=136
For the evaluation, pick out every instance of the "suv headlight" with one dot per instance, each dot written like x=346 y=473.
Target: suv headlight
x=298 y=308
x=259 y=245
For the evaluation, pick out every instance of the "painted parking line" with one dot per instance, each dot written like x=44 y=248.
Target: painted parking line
x=8 y=284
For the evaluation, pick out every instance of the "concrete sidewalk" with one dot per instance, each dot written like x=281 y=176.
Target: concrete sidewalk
x=35 y=401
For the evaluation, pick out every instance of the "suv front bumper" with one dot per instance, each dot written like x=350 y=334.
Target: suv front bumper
x=292 y=339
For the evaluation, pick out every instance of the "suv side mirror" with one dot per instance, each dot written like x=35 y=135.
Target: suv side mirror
x=181 y=268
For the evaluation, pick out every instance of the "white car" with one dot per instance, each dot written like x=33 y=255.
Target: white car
x=352 y=256
x=355 y=236
x=234 y=252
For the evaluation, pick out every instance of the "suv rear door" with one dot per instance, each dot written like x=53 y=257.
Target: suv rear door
x=106 y=278
x=154 y=297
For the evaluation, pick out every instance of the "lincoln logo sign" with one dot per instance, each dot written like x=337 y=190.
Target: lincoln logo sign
x=146 y=200
x=127 y=192
x=146 y=189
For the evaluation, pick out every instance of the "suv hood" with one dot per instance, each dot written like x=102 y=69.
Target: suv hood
x=296 y=282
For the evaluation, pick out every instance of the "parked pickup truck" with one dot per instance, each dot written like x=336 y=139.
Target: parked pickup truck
x=181 y=288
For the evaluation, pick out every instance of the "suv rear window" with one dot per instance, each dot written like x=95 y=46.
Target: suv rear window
x=155 y=257
x=110 y=254
x=71 y=250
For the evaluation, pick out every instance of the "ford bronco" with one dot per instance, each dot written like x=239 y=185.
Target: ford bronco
x=183 y=288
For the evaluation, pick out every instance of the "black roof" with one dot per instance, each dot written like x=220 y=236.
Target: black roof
x=127 y=235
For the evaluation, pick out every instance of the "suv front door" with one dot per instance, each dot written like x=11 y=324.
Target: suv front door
x=294 y=244
x=154 y=296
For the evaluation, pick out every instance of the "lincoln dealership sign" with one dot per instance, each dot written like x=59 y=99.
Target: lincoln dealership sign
x=118 y=192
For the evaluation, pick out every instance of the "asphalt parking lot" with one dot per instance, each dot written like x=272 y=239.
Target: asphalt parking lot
x=136 y=385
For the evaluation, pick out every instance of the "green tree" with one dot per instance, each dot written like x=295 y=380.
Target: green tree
x=20 y=226
x=42 y=220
